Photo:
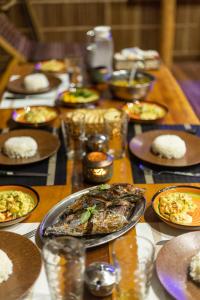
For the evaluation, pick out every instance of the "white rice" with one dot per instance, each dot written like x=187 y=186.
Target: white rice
x=34 y=82
x=6 y=266
x=169 y=146
x=195 y=267
x=20 y=147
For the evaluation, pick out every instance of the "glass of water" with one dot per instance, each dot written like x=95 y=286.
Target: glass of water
x=133 y=260
x=64 y=261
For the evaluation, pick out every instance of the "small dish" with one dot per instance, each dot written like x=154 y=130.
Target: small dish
x=145 y=112
x=35 y=115
x=194 y=192
x=27 y=264
x=78 y=97
x=17 y=86
x=21 y=188
x=172 y=264
x=141 y=144
x=48 y=144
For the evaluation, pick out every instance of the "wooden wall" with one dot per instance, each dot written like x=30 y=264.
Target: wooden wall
x=132 y=25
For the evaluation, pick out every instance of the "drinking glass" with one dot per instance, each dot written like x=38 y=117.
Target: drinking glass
x=133 y=260
x=116 y=125
x=74 y=126
x=64 y=261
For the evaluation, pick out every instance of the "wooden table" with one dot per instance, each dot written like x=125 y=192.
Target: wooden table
x=165 y=91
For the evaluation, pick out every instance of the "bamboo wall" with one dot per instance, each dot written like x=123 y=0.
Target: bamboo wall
x=132 y=25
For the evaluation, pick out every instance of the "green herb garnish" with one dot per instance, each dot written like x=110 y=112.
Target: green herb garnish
x=88 y=214
x=104 y=187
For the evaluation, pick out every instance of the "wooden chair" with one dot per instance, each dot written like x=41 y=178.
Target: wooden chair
x=24 y=49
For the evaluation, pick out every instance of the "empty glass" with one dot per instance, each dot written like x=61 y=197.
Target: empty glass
x=74 y=131
x=64 y=261
x=116 y=125
x=133 y=260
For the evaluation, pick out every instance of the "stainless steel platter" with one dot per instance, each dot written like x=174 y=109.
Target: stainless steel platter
x=90 y=241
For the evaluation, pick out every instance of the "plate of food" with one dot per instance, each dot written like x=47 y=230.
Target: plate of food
x=178 y=265
x=96 y=215
x=35 y=115
x=17 y=202
x=52 y=66
x=20 y=265
x=32 y=84
x=25 y=146
x=145 y=111
x=78 y=97
x=172 y=148
x=178 y=206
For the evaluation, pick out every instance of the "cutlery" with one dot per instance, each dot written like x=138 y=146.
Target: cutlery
x=63 y=131
x=30 y=233
x=19 y=173
x=157 y=173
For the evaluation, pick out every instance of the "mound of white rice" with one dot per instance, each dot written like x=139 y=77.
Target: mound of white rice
x=34 y=82
x=6 y=266
x=195 y=267
x=20 y=147
x=169 y=146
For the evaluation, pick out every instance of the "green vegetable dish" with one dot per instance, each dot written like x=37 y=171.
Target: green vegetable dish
x=14 y=204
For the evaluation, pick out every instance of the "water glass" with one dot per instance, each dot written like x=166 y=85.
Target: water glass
x=133 y=258
x=116 y=126
x=74 y=126
x=64 y=261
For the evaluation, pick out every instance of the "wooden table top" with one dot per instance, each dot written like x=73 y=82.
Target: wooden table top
x=165 y=91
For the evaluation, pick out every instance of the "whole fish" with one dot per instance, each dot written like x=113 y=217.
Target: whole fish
x=102 y=210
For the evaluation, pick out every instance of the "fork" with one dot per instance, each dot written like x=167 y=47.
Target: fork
x=30 y=233
x=157 y=173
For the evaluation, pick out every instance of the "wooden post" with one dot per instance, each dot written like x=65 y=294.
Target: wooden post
x=168 y=12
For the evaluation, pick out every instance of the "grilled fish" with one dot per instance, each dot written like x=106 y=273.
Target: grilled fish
x=102 y=210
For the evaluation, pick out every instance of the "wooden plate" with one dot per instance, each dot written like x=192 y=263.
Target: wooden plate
x=137 y=118
x=140 y=146
x=172 y=266
x=17 y=86
x=24 y=189
x=194 y=192
x=18 y=115
x=48 y=144
x=26 y=260
x=78 y=104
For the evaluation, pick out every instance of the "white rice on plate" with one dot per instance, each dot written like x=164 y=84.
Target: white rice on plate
x=6 y=266
x=194 y=268
x=35 y=82
x=20 y=147
x=169 y=146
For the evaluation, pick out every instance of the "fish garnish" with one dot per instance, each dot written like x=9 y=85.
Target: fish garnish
x=102 y=210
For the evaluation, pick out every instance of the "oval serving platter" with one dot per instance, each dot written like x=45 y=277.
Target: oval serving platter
x=93 y=241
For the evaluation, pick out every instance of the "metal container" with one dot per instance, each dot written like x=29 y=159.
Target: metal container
x=129 y=93
x=100 y=278
x=97 y=167
x=97 y=142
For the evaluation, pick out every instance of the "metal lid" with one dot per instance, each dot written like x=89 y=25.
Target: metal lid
x=98 y=159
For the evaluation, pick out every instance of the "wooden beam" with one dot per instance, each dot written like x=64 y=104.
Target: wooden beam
x=34 y=21
x=6 y=75
x=168 y=12
x=11 y=50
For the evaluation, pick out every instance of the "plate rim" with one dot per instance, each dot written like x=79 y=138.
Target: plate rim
x=102 y=239
x=171 y=165
x=19 y=219
x=179 y=226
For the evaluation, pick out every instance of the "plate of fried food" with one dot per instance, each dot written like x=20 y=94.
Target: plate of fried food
x=52 y=66
x=35 y=115
x=17 y=202
x=96 y=215
x=78 y=97
x=145 y=111
x=178 y=206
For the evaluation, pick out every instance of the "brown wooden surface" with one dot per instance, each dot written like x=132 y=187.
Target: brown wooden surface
x=165 y=91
